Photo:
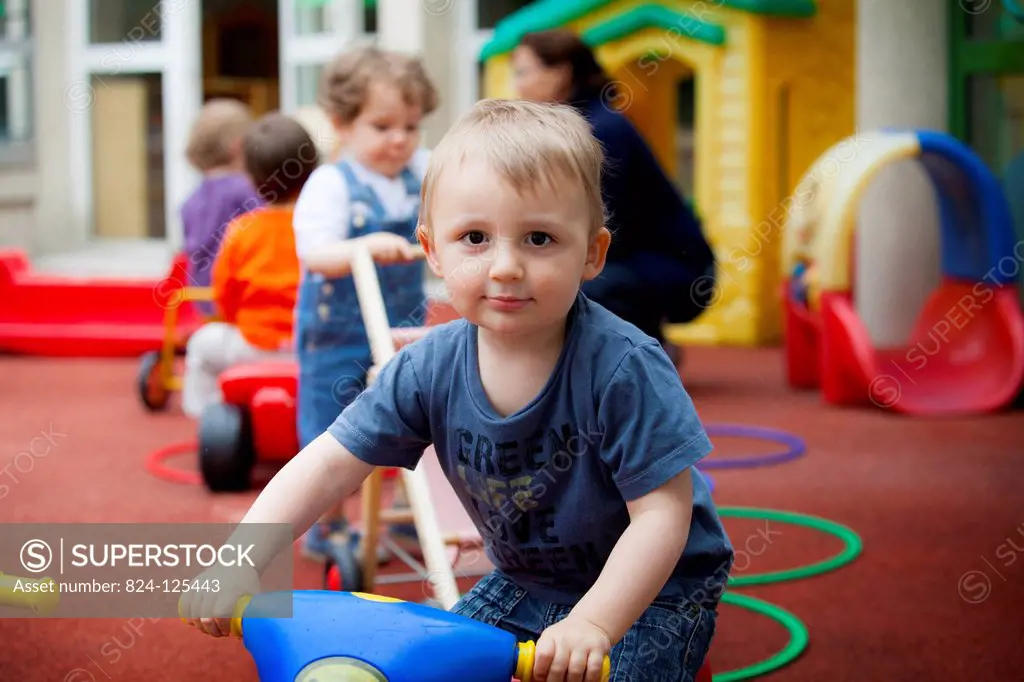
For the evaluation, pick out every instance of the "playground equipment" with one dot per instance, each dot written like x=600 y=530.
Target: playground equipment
x=372 y=638
x=774 y=87
x=61 y=316
x=433 y=504
x=156 y=379
x=965 y=354
x=380 y=638
x=255 y=423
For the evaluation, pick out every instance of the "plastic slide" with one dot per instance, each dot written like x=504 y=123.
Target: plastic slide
x=965 y=354
x=61 y=316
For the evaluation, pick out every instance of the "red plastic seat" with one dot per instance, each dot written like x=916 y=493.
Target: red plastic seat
x=273 y=424
x=241 y=383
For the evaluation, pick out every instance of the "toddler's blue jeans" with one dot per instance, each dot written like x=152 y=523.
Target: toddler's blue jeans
x=667 y=644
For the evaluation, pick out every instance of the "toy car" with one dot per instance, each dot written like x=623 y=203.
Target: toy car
x=255 y=423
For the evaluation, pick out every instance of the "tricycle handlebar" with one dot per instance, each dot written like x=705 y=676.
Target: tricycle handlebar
x=40 y=595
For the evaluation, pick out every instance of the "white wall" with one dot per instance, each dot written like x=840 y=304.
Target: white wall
x=426 y=28
x=58 y=229
x=902 y=81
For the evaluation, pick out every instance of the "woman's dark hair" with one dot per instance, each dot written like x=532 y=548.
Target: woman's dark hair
x=561 y=46
x=280 y=156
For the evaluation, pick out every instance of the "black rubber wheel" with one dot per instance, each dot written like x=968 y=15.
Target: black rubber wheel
x=226 y=454
x=342 y=556
x=152 y=393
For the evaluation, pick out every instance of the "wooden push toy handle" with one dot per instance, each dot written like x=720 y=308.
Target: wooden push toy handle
x=36 y=594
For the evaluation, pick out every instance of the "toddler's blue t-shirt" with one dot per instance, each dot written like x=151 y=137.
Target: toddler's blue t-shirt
x=547 y=486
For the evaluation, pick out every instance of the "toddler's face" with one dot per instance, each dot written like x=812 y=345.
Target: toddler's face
x=386 y=133
x=512 y=264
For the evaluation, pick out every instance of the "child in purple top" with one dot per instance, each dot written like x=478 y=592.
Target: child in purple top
x=214 y=149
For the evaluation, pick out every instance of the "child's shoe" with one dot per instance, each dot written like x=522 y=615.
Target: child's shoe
x=317 y=541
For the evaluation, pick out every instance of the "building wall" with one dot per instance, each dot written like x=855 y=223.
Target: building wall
x=37 y=212
x=56 y=227
x=902 y=81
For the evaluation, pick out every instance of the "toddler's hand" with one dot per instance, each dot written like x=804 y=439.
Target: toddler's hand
x=571 y=650
x=211 y=611
x=387 y=248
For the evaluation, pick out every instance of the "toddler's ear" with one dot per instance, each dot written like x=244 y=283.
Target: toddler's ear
x=423 y=235
x=597 y=253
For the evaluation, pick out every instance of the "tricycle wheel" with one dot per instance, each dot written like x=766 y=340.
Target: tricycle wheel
x=152 y=391
x=342 y=571
x=226 y=453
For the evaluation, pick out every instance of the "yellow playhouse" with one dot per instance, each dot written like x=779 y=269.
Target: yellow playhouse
x=774 y=89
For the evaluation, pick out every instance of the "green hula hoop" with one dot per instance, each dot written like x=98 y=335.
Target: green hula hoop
x=798 y=638
x=851 y=541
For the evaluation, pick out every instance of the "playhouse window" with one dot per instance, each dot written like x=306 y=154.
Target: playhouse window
x=996 y=118
x=685 y=136
x=995 y=23
x=490 y=12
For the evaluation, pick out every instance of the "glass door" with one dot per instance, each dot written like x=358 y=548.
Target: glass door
x=987 y=91
x=312 y=33
x=135 y=86
x=16 y=132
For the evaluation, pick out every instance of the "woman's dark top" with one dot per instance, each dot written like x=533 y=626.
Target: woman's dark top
x=654 y=231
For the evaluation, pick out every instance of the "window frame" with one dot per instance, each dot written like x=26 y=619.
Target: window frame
x=14 y=52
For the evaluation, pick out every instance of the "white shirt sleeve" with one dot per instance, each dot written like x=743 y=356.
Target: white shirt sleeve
x=322 y=211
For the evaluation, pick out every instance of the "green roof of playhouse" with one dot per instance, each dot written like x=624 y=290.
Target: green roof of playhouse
x=546 y=14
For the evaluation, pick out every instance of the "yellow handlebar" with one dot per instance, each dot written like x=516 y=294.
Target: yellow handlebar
x=527 y=653
x=40 y=595
x=197 y=293
x=236 y=619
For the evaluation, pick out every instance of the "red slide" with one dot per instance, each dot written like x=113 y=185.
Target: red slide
x=60 y=316
x=965 y=355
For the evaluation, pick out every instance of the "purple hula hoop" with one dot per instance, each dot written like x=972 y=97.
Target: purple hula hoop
x=795 y=447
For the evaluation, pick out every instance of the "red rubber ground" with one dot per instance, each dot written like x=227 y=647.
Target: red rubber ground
x=933 y=501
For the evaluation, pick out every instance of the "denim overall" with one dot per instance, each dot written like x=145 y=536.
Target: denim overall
x=331 y=341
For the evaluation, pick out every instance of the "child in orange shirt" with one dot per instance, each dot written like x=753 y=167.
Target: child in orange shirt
x=256 y=274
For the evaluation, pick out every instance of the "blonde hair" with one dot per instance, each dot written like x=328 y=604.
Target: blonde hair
x=528 y=144
x=346 y=81
x=215 y=135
